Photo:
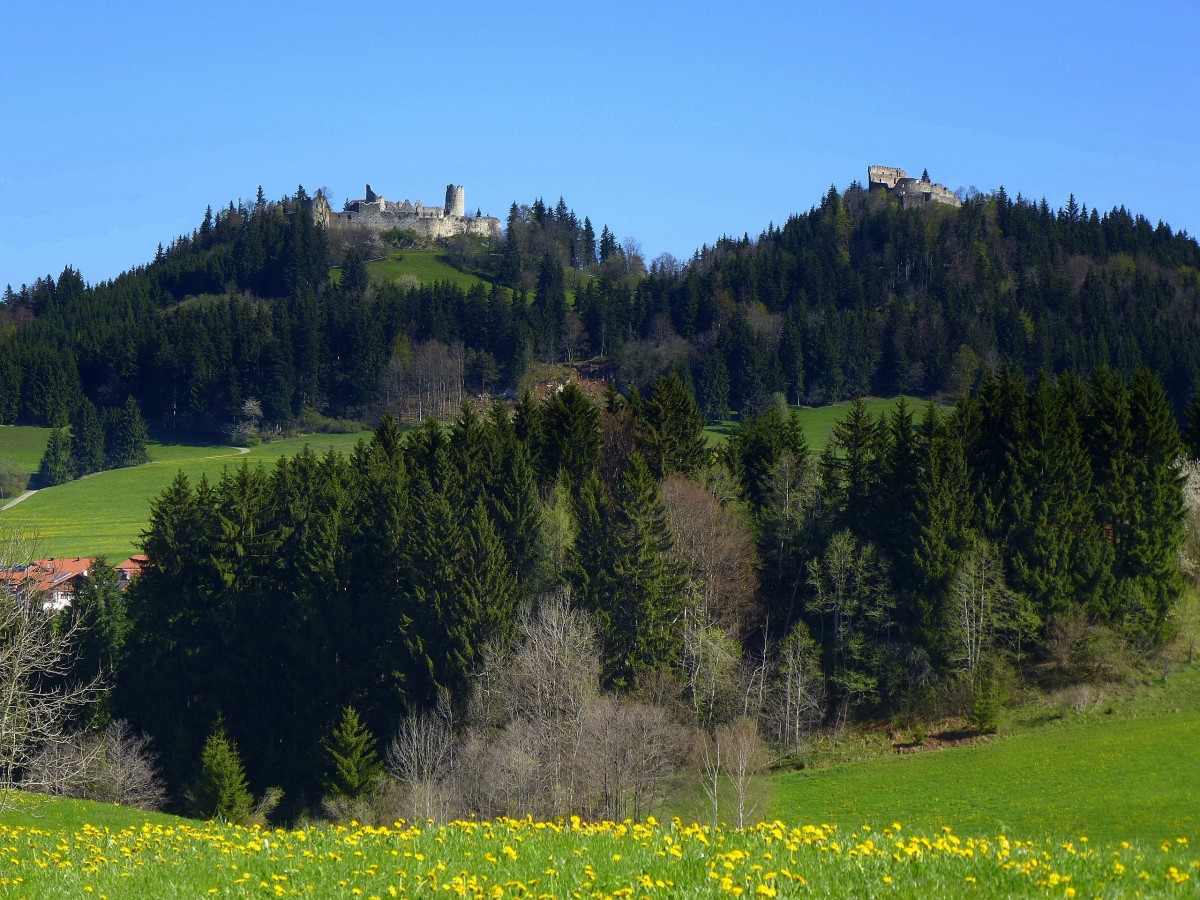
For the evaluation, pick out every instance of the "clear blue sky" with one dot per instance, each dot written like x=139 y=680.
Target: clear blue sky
x=672 y=123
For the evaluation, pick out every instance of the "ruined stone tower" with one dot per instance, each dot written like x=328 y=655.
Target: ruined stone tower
x=456 y=200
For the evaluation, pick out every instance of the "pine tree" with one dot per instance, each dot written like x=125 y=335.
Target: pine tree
x=570 y=434
x=647 y=584
x=1191 y=432
x=87 y=440
x=220 y=790
x=677 y=443
x=56 y=466
x=354 y=768
x=1149 y=579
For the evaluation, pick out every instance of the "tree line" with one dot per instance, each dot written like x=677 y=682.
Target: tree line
x=529 y=583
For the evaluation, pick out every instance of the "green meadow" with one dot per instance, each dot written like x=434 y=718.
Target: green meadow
x=105 y=514
x=24 y=445
x=818 y=421
x=63 y=848
x=1107 y=781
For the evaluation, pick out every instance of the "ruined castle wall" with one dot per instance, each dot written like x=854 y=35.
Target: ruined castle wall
x=369 y=218
x=884 y=176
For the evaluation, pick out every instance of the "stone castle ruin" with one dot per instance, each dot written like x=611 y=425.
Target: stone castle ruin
x=913 y=192
x=374 y=213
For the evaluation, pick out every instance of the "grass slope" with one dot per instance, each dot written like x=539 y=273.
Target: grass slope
x=105 y=513
x=1125 y=771
x=426 y=266
x=24 y=445
x=818 y=421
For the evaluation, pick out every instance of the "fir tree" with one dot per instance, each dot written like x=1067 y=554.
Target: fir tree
x=87 y=439
x=220 y=790
x=56 y=466
x=677 y=441
x=354 y=768
x=647 y=599
x=1191 y=431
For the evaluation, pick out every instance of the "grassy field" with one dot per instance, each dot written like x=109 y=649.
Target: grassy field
x=426 y=266
x=1133 y=779
x=24 y=445
x=818 y=421
x=150 y=857
x=104 y=514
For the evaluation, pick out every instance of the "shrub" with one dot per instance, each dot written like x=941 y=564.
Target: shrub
x=13 y=480
x=985 y=708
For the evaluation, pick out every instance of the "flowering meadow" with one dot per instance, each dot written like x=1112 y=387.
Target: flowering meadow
x=522 y=858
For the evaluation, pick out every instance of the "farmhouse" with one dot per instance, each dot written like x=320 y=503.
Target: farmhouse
x=56 y=580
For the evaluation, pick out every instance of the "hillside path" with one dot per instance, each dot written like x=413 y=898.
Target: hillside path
x=11 y=503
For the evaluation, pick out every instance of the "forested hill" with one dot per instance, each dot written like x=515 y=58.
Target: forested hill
x=855 y=296
x=859 y=296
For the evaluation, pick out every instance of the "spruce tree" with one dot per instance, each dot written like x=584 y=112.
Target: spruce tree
x=87 y=440
x=850 y=469
x=1191 y=431
x=220 y=790
x=647 y=600
x=354 y=769
x=570 y=434
x=56 y=466
x=941 y=519
x=1150 y=578
x=126 y=436
x=677 y=443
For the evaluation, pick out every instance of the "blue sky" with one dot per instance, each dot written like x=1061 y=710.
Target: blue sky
x=671 y=123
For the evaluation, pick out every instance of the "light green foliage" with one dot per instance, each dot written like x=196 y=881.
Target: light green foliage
x=13 y=478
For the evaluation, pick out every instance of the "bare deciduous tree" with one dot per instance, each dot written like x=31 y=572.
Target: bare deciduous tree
x=37 y=701
x=798 y=693
x=116 y=766
x=745 y=756
x=426 y=380
x=981 y=608
x=421 y=758
x=717 y=552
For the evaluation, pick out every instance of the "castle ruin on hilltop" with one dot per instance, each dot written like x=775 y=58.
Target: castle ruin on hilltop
x=913 y=192
x=374 y=213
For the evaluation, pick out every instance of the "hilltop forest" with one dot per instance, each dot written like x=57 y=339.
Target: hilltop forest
x=854 y=297
x=551 y=603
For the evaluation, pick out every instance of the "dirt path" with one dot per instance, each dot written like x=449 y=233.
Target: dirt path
x=11 y=503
